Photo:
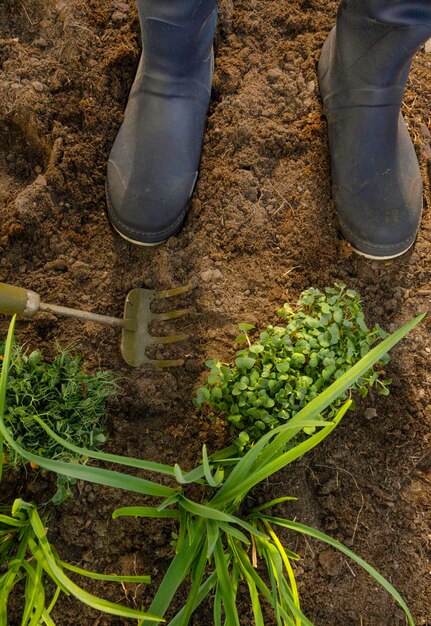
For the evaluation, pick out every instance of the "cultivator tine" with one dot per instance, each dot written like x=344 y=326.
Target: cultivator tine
x=168 y=293
x=136 y=337
x=168 y=339
x=171 y=315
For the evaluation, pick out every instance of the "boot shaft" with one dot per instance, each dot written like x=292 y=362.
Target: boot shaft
x=407 y=13
x=373 y=48
x=177 y=36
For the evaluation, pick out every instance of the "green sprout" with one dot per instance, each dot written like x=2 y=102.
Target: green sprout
x=272 y=379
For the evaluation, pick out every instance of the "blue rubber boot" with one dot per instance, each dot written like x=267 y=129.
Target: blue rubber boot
x=153 y=164
x=363 y=70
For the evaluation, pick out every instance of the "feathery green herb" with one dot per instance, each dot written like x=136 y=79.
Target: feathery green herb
x=65 y=396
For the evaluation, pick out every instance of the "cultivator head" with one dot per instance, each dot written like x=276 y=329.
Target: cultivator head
x=135 y=325
x=136 y=338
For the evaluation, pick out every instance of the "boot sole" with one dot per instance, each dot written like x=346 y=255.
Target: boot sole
x=138 y=243
x=382 y=258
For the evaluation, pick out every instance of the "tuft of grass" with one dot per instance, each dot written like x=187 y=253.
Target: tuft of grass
x=26 y=556
x=66 y=397
x=272 y=379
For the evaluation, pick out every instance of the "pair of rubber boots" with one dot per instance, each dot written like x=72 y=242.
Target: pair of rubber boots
x=363 y=70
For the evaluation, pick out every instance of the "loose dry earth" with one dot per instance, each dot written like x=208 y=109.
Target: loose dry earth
x=261 y=228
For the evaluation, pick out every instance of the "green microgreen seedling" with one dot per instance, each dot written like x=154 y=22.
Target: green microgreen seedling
x=65 y=396
x=273 y=378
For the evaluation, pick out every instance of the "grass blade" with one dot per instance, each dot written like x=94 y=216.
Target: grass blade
x=226 y=587
x=34 y=595
x=312 y=532
x=234 y=532
x=144 y=511
x=178 y=569
x=198 y=572
x=204 y=590
x=104 y=456
x=213 y=534
x=47 y=559
x=208 y=512
x=108 y=577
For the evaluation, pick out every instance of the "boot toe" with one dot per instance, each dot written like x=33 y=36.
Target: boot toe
x=147 y=212
x=378 y=230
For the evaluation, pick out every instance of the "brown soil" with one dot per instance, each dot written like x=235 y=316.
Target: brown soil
x=262 y=216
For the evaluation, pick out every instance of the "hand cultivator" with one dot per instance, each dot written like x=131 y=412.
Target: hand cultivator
x=135 y=335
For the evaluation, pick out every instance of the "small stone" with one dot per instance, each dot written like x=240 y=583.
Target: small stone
x=206 y=275
x=58 y=265
x=217 y=276
x=218 y=303
x=331 y=562
x=81 y=269
x=274 y=75
x=38 y=86
x=38 y=169
x=41 y=180
x=311 y=85
x=370 y=413
x=428 y=46
x=118 y=17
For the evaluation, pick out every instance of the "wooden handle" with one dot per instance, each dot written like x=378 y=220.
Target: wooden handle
x=18 y=300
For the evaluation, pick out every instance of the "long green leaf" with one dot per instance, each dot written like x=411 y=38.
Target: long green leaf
x=255 y=602
x=314 y=408
x=287 y=565
x=312 y=532
x=177 y=571
x=54 y=600
x=207 y=469
x=217 y=604
x=45 y=556
x=47 y=619
x=265 y=470
x=108 y=577
x=250 y=572
x=212 y=536
x=125 y=461
x=204 y=590
x=199 y=571
x=226 y=588
x=209 y=512
x=144 y=511
x=34 y=595
x=268 y=505
x=12 y=521
x=234 y=532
